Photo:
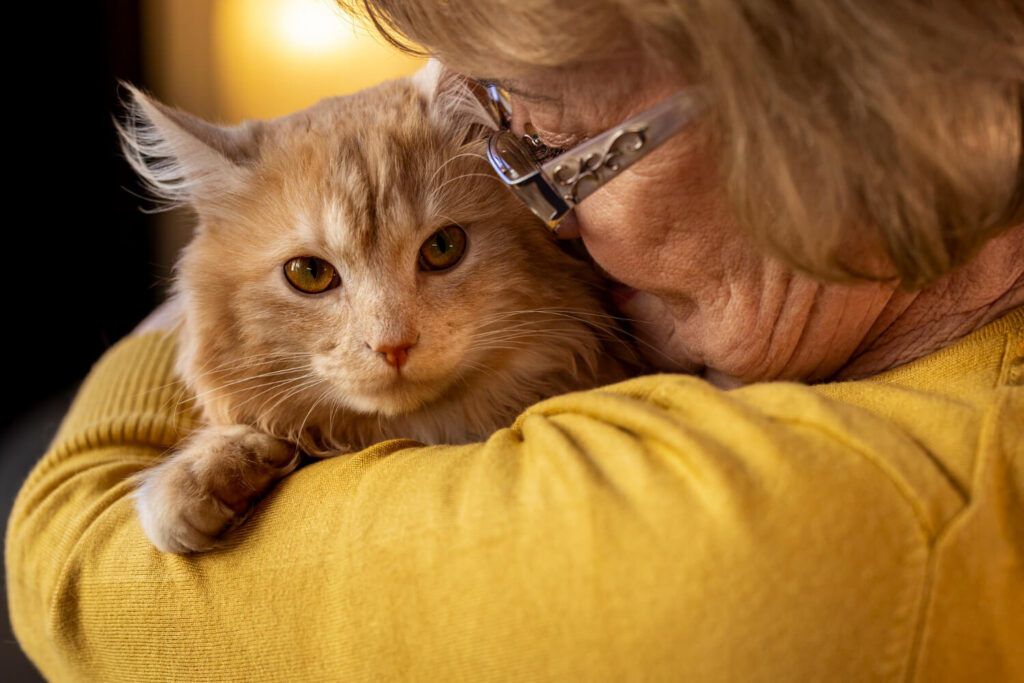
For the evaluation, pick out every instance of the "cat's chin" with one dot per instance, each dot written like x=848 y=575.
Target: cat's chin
x=395 y=399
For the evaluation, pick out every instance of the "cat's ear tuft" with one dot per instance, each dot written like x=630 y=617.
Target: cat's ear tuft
x=183 y=159
x=454 y=99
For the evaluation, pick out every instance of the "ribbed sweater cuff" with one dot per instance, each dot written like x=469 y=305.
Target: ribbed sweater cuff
x=131 y=396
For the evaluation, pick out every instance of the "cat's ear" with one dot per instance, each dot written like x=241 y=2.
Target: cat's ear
x=455 y=100
x=183 y=159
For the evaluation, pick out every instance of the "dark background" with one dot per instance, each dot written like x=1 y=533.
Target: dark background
x=80 y=271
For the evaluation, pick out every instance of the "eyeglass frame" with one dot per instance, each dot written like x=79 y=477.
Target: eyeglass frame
x=551 y=183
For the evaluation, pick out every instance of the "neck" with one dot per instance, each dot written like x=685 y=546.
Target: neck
x=915 y=324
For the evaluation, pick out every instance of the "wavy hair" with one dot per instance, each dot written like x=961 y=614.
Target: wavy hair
x=840 y=123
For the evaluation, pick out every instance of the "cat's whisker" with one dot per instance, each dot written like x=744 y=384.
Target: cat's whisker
x=242 y=380
x=539 y=334
x=525 y=341
x=270 y=354
x=510 y=322
x=461 y=155
x=217 y=388
x=578 y=312
x=535 y=333
x=236 y=369
x=167 y=385
x=490 y=176
x=287 y=395
x=586 y=317
x=330 y=422
x=583 y=315
x=481 y=368
x=510 y=346
x=172 y=402
x=249 y=362
x=266 y=386
x=246 y=362
x=280 y=385
x=527 y=329
x=251 y=378
x=447 y=219
x=323 y=394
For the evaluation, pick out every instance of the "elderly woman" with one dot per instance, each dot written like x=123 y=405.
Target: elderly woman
x=838 y=200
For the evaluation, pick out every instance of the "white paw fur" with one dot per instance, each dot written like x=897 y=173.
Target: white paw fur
x=209 y=485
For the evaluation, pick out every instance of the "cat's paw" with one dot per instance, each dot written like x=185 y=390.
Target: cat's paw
x=209 y=485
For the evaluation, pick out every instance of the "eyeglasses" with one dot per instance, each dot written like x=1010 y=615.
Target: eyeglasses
x=552 y=182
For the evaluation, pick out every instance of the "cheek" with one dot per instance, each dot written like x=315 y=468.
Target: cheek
x=661 y=223
x=630 y=223
x=615 y=241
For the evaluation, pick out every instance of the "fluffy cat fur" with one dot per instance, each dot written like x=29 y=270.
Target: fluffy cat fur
x=360 y=181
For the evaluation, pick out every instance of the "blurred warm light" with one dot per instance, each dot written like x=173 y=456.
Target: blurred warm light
x=272 y=57
x=311 y=25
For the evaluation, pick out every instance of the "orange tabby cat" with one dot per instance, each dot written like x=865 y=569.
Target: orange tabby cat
x=357 y=275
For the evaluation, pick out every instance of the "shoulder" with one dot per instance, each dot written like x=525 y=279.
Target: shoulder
x=658 y=525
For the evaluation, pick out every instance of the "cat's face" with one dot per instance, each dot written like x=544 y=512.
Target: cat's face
x=360 y=254
x=408 y=252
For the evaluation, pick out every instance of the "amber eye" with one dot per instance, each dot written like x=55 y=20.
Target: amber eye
x=311 y=274
x=443 y=249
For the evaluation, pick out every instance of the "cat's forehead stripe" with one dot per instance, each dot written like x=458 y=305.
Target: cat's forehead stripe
x=382 y=181
x=378 y=172
x=359 y=197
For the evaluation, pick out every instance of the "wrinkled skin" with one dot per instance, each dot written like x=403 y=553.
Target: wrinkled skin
x=708 y=299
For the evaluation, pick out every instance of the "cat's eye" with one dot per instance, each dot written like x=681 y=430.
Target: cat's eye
x=443 y=249
x=311 y=275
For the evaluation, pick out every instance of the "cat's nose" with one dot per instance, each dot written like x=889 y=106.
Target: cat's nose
x=395 y=355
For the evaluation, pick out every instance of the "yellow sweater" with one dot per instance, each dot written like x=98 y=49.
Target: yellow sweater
x=658 y=529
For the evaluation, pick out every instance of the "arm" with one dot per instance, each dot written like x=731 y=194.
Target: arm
x=659 y=527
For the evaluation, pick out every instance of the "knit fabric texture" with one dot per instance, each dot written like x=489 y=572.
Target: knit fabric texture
x=657 y=529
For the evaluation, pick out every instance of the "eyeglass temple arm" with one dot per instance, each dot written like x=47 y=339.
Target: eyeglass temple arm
x=577 y=173
x=499 y=105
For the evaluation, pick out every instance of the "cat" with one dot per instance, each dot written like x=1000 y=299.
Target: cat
x=357 y=274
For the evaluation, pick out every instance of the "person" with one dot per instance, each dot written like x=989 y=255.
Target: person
x=827 y=486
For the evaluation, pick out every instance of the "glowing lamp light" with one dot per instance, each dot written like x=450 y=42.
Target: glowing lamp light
x=272 y=57
x=312 y=26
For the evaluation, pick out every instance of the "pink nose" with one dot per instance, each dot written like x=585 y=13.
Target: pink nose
x=396 y=355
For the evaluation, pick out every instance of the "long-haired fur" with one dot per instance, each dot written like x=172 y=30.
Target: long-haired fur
x=360 y=182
